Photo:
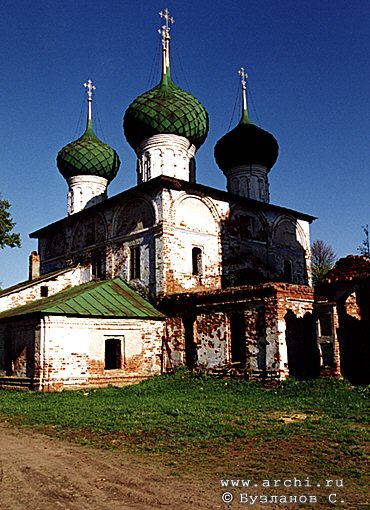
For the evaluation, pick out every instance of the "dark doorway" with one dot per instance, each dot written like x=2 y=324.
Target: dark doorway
x=113 y=354
x=8 y=356
x=191 y=354
x=238 y=339
x=353 y=336
x=303 y=351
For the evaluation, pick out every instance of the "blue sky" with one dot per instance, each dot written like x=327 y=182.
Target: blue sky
x=309 y=82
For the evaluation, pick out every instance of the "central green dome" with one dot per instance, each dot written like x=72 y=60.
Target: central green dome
x=88 y=156
x=165 y=109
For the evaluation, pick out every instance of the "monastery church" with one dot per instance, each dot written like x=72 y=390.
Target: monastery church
x=169 y=272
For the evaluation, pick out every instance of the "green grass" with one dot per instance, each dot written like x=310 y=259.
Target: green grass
x=181 y=411
x=210 y=429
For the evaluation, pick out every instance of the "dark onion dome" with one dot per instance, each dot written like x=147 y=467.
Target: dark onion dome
x=246 y=144
x=88 y=156
x=165 y=109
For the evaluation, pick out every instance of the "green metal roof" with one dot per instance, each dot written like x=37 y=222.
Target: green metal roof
x=88 y=156
x=108 y=298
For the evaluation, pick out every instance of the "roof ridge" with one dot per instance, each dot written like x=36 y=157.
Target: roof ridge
x=87 y=299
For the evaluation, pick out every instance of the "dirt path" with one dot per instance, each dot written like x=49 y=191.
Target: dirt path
x=42 y=473
x=39 y=472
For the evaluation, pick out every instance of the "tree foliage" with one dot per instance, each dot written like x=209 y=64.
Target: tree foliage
x=322 y=258
x=364 y=248
x=7 y=237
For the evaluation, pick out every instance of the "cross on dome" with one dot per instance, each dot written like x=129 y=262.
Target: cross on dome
x=90 y=88
x=165 y=33
x=168 y=19
x=243 y=75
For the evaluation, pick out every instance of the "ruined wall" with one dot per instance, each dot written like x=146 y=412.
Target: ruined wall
x=212 y=339
x=17 y=345
x=260 y=329
x=346 y=289
x=299 y=353
x=353 y=333
x=327 y=325
x=71 y=352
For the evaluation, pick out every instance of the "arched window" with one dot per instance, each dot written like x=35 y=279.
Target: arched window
x=288 y=271
x=197 y=261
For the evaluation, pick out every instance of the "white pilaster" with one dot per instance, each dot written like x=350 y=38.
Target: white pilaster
x=85 y=191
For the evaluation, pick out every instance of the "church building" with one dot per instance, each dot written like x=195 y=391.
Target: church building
x=169 y=272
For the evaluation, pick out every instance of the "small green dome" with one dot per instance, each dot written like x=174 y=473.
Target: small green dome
x=88 y=156
x=246 y=144
x=165 y=109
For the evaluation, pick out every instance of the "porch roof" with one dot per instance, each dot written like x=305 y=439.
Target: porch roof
x=108 y=298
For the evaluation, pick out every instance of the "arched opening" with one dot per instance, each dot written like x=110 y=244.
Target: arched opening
x=303 y=351
x=197 y=264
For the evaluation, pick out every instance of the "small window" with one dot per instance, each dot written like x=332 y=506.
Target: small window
x=97 y=265
x=113 y=354
x=288 y=271
x=44 y=291
x=197 y=261
x=135 y=262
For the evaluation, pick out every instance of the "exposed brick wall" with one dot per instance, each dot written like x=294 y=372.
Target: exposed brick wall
x=70 y=352
x=263 y=308
x=346 y=290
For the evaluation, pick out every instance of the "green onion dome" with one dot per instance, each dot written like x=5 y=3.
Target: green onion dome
x=246 y=144
x=165 y=109
x=88 y=156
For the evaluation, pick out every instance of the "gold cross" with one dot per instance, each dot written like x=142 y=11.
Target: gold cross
x=168 y=18
x=90 y=87
x=243 y=74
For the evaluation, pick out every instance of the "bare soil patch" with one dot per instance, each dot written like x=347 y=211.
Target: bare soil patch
x=41 y=472
x=38 y=472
